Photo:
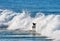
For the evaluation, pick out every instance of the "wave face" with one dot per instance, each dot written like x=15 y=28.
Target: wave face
x=48 y=25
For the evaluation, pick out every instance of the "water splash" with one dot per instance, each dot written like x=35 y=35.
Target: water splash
x=48 y=25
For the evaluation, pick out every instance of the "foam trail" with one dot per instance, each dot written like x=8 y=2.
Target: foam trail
x=48 y=25
x=6 y=16
x=21 y=21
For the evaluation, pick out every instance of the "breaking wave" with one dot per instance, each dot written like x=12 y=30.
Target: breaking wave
x=48 y=25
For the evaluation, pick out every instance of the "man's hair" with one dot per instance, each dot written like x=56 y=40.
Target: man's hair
x=34 y=23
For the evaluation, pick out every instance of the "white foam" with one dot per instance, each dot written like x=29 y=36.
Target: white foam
x=48 y=25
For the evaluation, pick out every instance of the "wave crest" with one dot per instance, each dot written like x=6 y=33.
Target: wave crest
x=48 y=25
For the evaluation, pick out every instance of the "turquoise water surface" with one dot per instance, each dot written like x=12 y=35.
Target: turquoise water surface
x=20 y=36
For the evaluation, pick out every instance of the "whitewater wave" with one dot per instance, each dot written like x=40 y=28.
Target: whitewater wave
x=48 y=25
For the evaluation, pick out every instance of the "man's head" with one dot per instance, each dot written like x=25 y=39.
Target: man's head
x=34 y=23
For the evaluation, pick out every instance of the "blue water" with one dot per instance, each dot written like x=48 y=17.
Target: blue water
x=20 y=36
x=48 y=6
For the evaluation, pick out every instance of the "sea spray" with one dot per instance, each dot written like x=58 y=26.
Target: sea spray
x=48 y=25
x=21 y=21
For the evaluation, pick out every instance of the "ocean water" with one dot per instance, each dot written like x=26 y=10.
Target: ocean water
x=7 y=35
x=33 y=6
x=18 y=15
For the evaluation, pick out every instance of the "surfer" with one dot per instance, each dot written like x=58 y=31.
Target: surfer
x=34 y=28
